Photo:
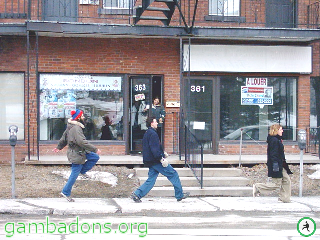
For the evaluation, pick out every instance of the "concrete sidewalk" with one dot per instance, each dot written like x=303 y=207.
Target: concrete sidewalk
x=85 y=206
x=208 y=159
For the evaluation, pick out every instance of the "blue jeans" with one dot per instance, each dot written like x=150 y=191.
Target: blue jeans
x=76 y=169
x=153 y=173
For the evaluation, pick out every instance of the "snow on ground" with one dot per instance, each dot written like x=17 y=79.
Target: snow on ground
x=316 y=174
x=104 y=177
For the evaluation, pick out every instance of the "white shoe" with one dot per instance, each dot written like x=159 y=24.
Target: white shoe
x=66 y=197
x=254 y=191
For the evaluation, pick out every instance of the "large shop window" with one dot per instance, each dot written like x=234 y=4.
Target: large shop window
x=12 y=104
x=242 y=107
x=100 y=98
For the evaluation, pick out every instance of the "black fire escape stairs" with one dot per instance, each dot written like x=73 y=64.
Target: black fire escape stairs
x=165 y=12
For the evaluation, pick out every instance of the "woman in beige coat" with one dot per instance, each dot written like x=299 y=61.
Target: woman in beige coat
x=278 y=169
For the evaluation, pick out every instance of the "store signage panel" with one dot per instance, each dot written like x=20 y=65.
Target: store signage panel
x=80 y=82
x=247 y=58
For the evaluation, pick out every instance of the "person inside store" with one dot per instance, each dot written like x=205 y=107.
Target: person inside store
x=155 y=159
x=139 y=115
x=106 y=133
x=278 y=169
x=82 y=155
x=158 y=111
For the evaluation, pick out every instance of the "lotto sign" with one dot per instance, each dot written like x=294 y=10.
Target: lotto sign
x=256 y=95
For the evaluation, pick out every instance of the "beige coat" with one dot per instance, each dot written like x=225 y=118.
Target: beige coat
x=78 y=146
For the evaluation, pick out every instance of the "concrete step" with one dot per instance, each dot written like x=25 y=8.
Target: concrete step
x=216 y=182
x=206 y=191
x=207 y=181
x=207 y=172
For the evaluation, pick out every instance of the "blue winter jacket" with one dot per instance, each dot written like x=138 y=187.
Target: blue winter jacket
x=152 y=150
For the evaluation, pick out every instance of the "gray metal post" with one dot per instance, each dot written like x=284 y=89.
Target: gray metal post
x=13 y=173
x=13 y=129
x=302 y=143
x=301 y=173
x=240 y=153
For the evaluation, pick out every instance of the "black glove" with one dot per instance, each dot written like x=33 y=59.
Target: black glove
x=286 y=167
x=275 y=167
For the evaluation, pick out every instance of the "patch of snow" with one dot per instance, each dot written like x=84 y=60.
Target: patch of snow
x=316 y=174
x=104 y=177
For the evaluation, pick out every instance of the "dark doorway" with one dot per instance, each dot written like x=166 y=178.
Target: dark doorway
x=143 y=89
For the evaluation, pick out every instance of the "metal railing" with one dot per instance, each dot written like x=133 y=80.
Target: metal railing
x=313 y=139
x=247 y=14
x=193 y=155
x=248 y=137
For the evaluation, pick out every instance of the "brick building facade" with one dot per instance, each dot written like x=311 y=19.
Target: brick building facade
x=154 y=56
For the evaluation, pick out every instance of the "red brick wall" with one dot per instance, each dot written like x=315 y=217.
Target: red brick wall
x=253 y=149
x=303 y=102
x=89 y=55
x=127 y=56
x=46 y=149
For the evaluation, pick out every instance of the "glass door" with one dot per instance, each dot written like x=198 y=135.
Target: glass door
x=199 y=110
x=140 y=100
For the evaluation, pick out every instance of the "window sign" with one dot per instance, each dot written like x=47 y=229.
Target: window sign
x=256 y=92
x=100 y=98
x=199 y=125
x=256 y=82
x=80 y=82
x=256 y=95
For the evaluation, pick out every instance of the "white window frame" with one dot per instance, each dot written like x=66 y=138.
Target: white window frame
x=230 y=8
x=87 y=2
x=118 y=4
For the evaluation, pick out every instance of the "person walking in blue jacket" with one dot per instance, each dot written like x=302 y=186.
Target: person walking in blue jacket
x=155 y=159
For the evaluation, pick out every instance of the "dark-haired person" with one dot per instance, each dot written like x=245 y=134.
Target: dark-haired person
x=278 y=169
x=155 y=159
x=158 y=111
x=82 y=155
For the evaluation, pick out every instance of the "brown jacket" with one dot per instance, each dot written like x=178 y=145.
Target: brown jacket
x=78 y=146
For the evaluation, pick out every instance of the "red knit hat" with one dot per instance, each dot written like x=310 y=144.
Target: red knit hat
x=76 y=114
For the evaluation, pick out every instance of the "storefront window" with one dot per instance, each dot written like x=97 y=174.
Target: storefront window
x=100 y=98
x=257 y=112
x=12 y=104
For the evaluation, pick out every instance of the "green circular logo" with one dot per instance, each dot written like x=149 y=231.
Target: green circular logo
x=306 y=227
